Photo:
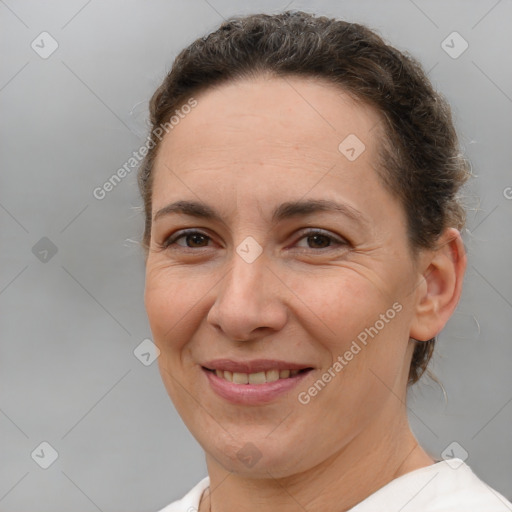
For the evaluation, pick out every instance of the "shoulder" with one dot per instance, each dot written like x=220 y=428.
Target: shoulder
x=447 y=486
x=189 y=502
x=457 y=486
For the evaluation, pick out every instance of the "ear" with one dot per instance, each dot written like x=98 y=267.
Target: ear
x=440 y=285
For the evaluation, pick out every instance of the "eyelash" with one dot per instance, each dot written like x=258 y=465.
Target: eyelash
x=171 y=240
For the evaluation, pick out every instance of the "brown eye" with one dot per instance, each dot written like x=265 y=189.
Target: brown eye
x=317 y=239
x=193 y=239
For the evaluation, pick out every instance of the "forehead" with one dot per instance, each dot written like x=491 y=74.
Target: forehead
x=270 y=132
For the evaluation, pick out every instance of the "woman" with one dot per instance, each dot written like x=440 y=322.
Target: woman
x=303 y=251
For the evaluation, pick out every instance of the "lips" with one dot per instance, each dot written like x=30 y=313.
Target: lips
x=255 y=381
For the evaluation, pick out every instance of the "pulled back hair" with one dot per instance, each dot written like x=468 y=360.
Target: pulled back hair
x=421 y=164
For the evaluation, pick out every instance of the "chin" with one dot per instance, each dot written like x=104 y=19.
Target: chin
x=254 y=456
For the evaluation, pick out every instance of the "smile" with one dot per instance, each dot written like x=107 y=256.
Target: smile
x=258 y=377
x=255 y=382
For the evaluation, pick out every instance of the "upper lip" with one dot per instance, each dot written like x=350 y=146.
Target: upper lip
x=253 y=366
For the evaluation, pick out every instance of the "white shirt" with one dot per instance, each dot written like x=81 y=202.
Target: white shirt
x=447 y=486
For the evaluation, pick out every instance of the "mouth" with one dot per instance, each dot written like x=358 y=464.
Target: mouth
x=254 y=382
x=256 y=378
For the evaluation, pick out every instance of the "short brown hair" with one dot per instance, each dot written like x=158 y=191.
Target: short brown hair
x=421 y=162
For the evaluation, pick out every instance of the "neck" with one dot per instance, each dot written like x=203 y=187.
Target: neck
x=381 y=453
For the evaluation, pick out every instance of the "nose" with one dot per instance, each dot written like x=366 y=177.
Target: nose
x=249 y=301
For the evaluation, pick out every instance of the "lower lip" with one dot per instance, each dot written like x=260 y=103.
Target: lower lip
x=253 y=394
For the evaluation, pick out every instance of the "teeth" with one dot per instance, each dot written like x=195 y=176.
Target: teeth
x=255 y=378
x=240 y=378
x=272 y=375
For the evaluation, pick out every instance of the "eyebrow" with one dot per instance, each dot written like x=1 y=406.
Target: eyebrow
x=283 y=211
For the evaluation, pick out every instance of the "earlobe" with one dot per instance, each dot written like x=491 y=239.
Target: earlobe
x=440 y=291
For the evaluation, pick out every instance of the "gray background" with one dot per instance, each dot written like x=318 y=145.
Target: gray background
x=71 y=321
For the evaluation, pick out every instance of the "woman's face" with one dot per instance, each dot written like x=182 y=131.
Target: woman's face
x=264 y=275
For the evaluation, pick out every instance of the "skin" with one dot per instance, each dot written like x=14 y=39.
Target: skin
x=246 y=148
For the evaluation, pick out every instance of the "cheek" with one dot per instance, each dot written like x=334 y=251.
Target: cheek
x=342 y=303
x=170 y=311
x=171 y=303
x=352 y=318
